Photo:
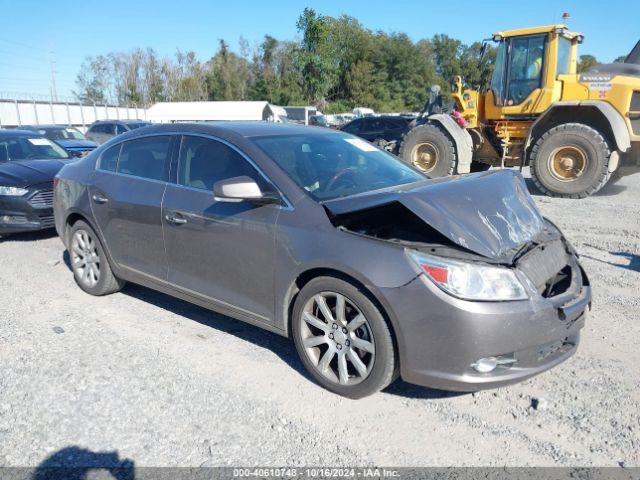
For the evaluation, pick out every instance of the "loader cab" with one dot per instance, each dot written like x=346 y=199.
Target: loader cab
x=528 y=62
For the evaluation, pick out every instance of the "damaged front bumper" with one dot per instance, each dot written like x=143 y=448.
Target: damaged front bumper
x=442 y=338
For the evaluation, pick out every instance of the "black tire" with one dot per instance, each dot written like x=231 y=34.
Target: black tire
x=107 y=282
x=446 y=158
x=583 y=138
x=479 y=167
x=384 y=368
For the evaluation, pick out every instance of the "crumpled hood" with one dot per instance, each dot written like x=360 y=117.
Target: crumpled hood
x=24 y=173
x=490 y=213
x=76 y=144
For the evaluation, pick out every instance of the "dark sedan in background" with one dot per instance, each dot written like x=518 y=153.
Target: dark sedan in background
x=69 y=138
x=373 y=270
x=28 y=165
x=384 y=131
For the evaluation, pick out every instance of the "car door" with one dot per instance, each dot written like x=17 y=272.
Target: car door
x=223 y=251
x=126 y=199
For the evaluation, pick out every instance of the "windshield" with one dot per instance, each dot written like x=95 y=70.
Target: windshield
x=26 y=148
x=335 y=165
x=61 y=133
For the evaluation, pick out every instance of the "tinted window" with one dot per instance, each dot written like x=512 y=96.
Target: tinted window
x=133 y=126
x=203 y=162
x=109 y=159
x=145 y=157
x=109 y=128
x=120 y=129
x=95 y=129
x=353 y=127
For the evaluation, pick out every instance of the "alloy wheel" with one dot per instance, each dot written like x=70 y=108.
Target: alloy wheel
x=85 y=259
x=337 y=338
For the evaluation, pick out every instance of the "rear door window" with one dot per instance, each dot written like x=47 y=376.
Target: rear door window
x=146 y=157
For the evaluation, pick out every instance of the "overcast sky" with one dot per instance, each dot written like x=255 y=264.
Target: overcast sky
x=72 y=30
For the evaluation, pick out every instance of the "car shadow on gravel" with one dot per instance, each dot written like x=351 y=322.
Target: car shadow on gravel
x=29 y=236
x=633 y=260
x=76 y=463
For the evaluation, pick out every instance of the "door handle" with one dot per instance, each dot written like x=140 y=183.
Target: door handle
x=175 y=220
x=99 y=199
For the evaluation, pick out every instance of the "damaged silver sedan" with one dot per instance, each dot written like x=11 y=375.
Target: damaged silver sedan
x=374 y=270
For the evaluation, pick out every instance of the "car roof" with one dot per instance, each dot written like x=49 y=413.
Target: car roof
x=231 y=129
x=18 y=133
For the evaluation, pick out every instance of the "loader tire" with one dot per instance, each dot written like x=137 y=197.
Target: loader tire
x=430 y=150
x=570 y=161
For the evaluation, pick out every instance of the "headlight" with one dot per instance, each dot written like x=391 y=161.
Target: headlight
x=12 y=191
x=470 y=281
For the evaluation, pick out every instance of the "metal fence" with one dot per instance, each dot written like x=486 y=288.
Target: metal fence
x=17 y=112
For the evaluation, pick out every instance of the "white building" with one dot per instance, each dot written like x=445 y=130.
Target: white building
x=174 y=112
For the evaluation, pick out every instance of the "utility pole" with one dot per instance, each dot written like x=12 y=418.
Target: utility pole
x=52 y=65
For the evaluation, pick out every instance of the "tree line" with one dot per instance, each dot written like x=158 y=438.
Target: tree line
x=336 y=64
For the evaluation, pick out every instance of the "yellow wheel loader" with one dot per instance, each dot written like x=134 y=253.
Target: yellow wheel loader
x=573 y=130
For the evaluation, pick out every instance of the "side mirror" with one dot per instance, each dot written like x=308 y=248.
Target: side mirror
x=243 y=188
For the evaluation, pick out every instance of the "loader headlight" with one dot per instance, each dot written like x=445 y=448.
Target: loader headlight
x=12 y=191
x=470 y=281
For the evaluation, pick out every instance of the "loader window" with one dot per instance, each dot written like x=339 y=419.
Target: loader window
x=525 y=69
x=497 y=81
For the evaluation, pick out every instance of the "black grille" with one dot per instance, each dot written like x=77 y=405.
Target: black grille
x=543 y=264
x=47 y=221
x=42 y=199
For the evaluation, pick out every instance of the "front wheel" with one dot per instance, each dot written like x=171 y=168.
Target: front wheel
x=342 y=338
x=570 y=161
x=430 y=150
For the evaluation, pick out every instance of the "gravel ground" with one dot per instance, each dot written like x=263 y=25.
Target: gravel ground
x=141 y=377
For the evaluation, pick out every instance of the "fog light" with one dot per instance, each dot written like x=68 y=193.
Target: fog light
x=489 y=364
x=13 y=219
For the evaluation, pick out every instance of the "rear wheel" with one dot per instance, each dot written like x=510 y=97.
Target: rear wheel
x=570 y=161
x=430 y=150
x=91 y=269
x=342 y=338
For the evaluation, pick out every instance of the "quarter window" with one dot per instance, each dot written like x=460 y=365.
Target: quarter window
x=204 y=161
x=109 y=159
x=145 y=157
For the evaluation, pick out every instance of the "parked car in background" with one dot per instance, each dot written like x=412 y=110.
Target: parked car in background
x=384 y=131
x=28 y=164
x=69 y=138
x=373 y=269
x=363 y=112
x=104 y=130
